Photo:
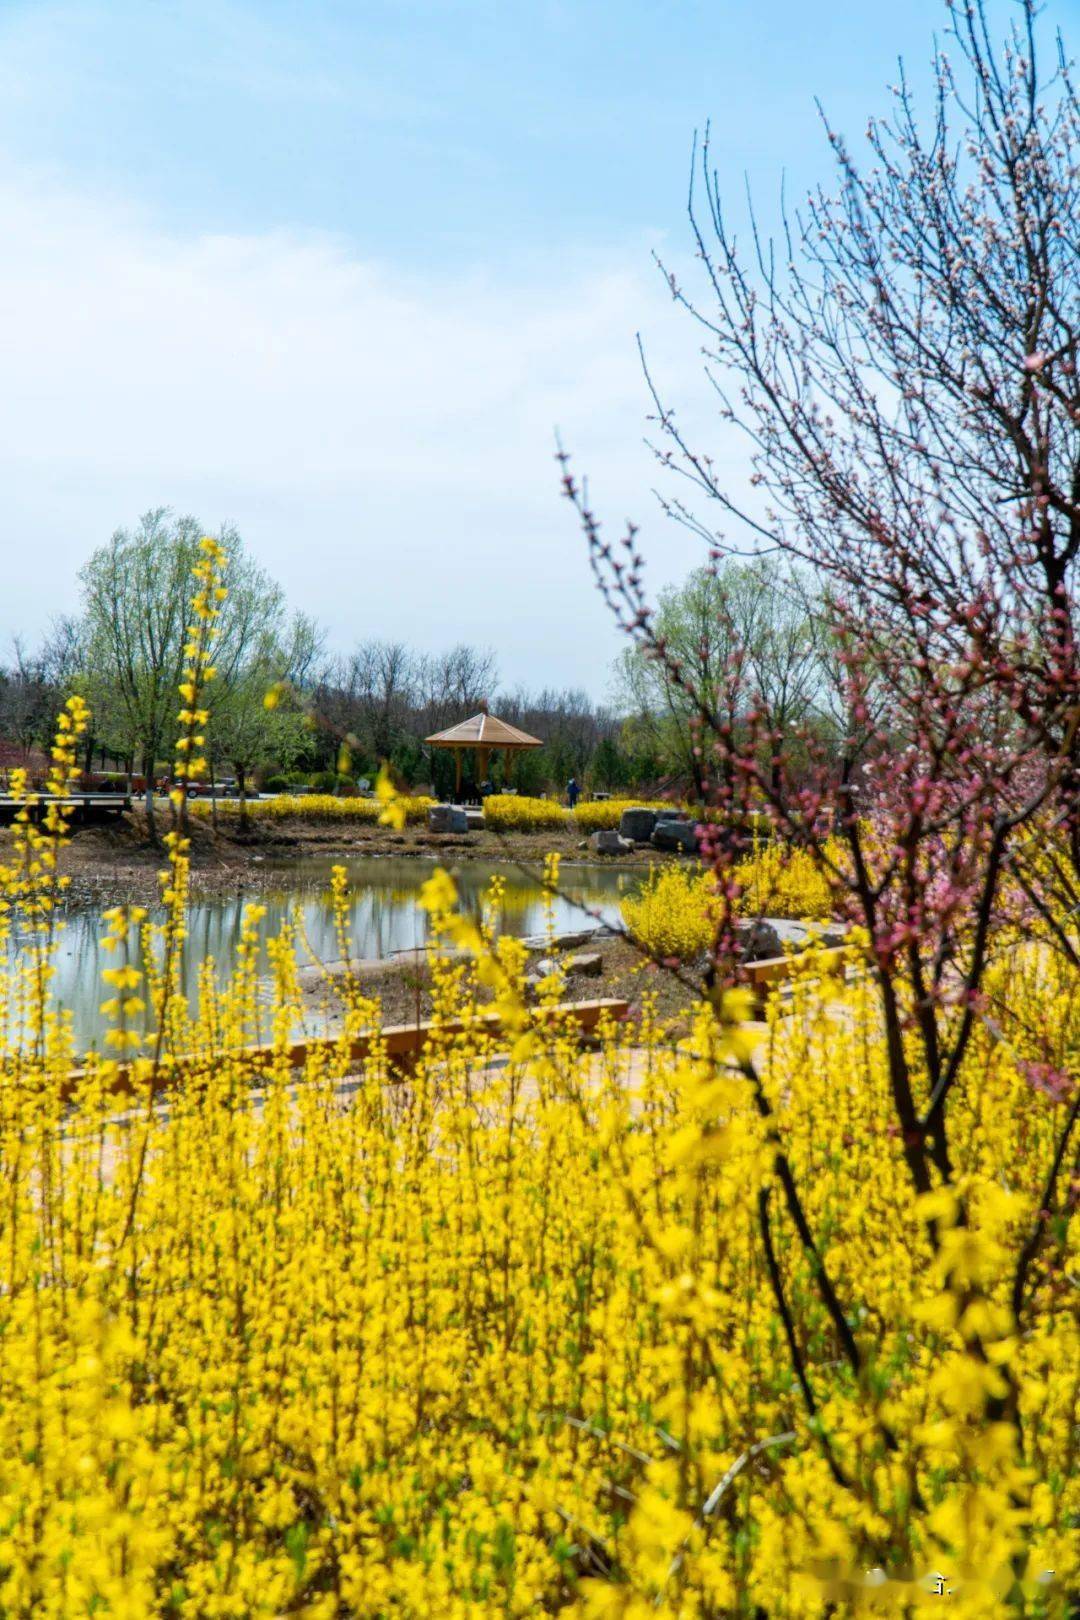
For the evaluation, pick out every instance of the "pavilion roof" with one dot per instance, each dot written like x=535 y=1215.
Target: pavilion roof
x=483 y=731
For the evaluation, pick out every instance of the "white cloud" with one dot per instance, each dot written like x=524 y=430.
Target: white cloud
x=383 y=441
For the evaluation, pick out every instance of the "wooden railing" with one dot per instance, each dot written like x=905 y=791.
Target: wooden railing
x=402 y=1044
x=774 y=970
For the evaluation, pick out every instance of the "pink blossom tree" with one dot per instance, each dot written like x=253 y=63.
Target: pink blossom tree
x=903 y=367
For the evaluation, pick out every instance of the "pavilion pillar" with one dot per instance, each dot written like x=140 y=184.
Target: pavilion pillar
x=457 y=775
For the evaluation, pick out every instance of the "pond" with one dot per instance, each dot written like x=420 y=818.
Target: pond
x=383 y=914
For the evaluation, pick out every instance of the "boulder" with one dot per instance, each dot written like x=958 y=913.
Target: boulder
x=678 y=835
x=774 y=936
x=637 y=824
x=793 y=936
x=565 y=941
x=447 y=818
x=475 y=819
x=587 y=963
x=761 y=941
x=415 y=958
x=609 y=842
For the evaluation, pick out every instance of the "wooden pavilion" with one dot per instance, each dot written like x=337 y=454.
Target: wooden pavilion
x=481 y=734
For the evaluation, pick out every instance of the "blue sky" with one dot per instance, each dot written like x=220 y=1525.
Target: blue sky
x=334 y=272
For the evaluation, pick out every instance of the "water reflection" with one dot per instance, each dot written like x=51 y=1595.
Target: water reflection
x=384 y=917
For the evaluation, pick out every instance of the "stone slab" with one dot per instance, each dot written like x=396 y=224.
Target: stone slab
x=589 y=964
x=566 y=941
x=609 y=842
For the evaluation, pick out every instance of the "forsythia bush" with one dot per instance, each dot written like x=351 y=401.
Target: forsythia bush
x=783 y=881
x=315 y=806
x=674 y=913
x=536 y=1332
x=507 y=812
x=504 y=1342
x=600 y=814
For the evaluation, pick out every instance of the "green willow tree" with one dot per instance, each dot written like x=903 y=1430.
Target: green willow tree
x=739 y=638
x=136 y=591
x=252 y=724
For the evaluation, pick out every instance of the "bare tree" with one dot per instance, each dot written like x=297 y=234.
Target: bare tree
x=454 y=684
x=27 y=694
x=568 y=722
x=904 y=367
x=905 y=370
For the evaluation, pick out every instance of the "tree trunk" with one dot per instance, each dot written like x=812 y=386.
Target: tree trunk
x=148 y=777
x=241 y=779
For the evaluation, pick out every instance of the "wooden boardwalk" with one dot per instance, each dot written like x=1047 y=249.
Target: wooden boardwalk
x=86 y=807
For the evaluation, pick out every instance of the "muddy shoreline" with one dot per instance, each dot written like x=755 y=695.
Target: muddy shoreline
x=403 y=985
x=118 y=865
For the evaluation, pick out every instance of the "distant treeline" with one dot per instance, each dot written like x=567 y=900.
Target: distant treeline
x=285 y=710
x=384 y=699
x=329 y=715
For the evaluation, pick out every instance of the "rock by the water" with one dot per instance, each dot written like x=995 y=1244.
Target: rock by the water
x=761 y=941
x=565 y=941
x=677 y=835
x=637 y=824
x=609 y=842
x=447 y=818
x=418 y=956
x=773 y=936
